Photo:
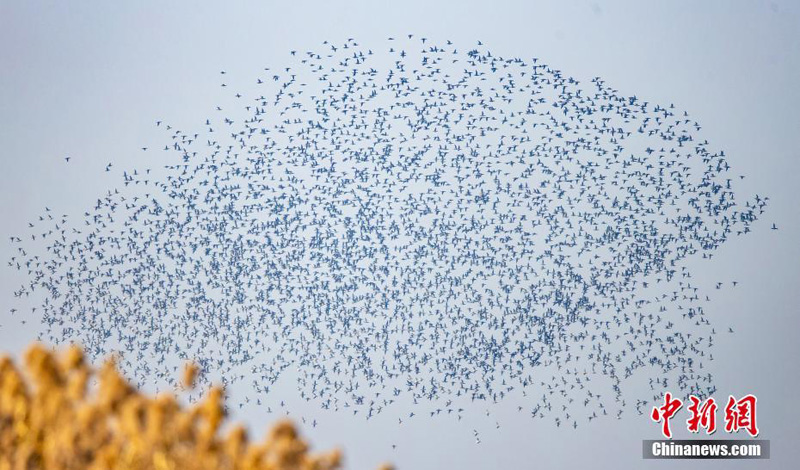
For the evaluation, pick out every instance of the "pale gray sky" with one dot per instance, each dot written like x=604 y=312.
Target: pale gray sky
x=88 y=79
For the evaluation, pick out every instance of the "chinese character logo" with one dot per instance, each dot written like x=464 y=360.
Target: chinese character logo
x=704 y=415
x=739 y=414
x=664 y=413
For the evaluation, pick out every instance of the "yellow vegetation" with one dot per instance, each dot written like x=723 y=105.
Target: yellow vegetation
x=50 y=421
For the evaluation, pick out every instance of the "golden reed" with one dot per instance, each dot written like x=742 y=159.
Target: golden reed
x=50 y=421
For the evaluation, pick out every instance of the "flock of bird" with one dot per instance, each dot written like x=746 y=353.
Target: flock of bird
x=420 y=222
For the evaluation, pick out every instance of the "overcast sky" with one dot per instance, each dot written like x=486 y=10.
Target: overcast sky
x=89 y=78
